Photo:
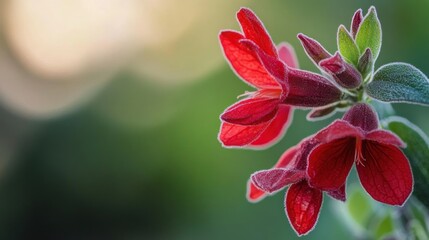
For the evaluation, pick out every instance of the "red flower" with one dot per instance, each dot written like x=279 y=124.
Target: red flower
x=261 y=119
x=302 y=202
x=383 y=169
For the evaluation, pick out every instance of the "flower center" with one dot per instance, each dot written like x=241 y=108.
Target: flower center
x=268 y=93
x=359 y=159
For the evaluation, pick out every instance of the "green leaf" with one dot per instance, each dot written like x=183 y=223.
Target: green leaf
x=369 y=33
x=347 y=46
x=385 y=227
x=417 y=151
x=418 y=231
x=399 y=82
x=359 y=207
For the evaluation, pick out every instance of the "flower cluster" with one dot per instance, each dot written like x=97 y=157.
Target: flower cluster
x=321 y=162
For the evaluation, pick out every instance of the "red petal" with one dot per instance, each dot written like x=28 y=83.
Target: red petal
x=329 y=164
x=275 y=179
x=308 y=89
x=251 y=111
x=386 y=137
x=303 y=205
x=339 y=194
x=276 y=68
x=254 y=30
x=276 y=129
x=245 y=63
x=232 y=135
x=305 y=148
x=363 y=116
x=254 y=194
x=287 y=55
x=287 y=160
x=385 y=173
x=336 y=130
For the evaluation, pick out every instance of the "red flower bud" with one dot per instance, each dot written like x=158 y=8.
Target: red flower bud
x=313 y=48
x=342 y=72
x=356 y=21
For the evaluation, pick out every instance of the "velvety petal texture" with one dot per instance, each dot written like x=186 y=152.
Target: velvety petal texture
x=244 y=62
x=287 y=54
x=286 y=161
x=274 y=66
x=275 y=179
x=232 y=135
x=329 y=164
x=342 y=72
x=313 y=48
x=383 y=169
x=254 y=30
x=339 y=194
x=276 y=128
x=308 y=89
x=302 y=205
x=386 y=173
x=251 y=111
x=362 y=116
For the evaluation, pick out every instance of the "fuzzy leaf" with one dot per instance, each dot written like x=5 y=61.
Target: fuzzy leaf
x=347 y=46
x=417 y=152
x=399 y=82
x=369 y=33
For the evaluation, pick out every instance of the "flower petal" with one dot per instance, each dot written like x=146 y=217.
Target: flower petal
x=254 y=30
x=244 y=62
x=276 y=129
x=363 y=116
x=336 y=130
x=286 y=161
x=339 y=194
x=251 y=111
x=329 y=164
x=254 y=194
x=232 y=135
x=275 y=179
x=386 y=137
x=302 y=204
x=307 y=89
x=385 y=173
x=287 y=55
x=305 y=148
x=274 y=66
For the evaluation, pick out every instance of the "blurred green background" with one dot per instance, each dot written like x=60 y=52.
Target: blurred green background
x=113 y=134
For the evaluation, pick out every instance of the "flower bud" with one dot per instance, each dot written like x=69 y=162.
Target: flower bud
x=313 y=48
x=356 y=21
x=365 y=63
x=344 y=74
